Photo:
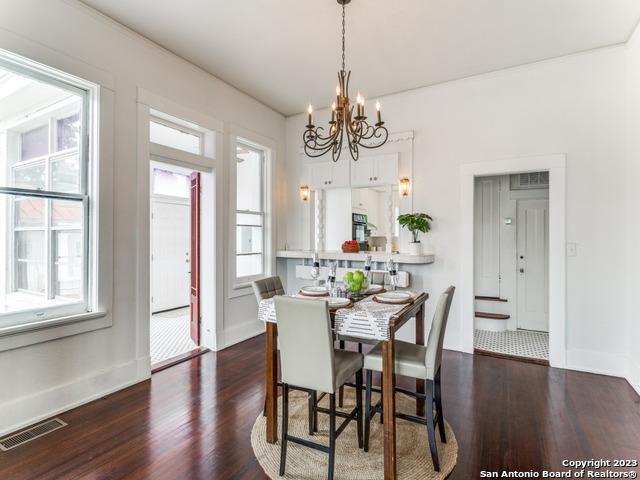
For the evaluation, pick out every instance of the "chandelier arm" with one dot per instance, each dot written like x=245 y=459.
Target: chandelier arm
x=381 y=134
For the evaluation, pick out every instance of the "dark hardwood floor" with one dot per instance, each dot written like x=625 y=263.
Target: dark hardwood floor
x=193 y=421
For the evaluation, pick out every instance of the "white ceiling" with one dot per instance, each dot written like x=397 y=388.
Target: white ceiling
x=286 y=53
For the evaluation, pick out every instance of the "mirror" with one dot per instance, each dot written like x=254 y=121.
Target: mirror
x=368 y=215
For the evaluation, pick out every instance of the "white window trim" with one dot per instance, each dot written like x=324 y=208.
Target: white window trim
x=242 y=286
x=100 y=185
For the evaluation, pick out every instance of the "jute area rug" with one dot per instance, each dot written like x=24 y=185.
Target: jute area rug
x=352 y=463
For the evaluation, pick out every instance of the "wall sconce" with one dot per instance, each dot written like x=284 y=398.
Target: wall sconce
x=405 y=185
x=304 y=193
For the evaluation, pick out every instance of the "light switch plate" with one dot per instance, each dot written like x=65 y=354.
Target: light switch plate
x=572 y=249
x=508 y=221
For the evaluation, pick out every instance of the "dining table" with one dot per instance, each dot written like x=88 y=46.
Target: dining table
x=367 y=319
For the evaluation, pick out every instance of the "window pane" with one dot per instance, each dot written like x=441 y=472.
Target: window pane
x=248 y=219
x=68 y=132
x=170 y=183
x=66 y=213
x=249 y=240
x=29 y=212
x=172 y=137
x=247 y=265
x=249 y=179
x=65 y=174
x=34 y=143
x=29 y=261
x=30 y=176
x=68 y=251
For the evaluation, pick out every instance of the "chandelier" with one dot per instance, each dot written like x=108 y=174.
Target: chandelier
x=348 y=122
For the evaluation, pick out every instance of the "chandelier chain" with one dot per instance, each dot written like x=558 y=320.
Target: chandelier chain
x=343 y=34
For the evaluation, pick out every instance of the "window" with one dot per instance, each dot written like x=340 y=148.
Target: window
x=44 y=197
x=168 y=134
x=250 y=212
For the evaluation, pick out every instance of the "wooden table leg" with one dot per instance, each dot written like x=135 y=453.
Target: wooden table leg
x=272 y=382
x=389 y=408
x=420 y=386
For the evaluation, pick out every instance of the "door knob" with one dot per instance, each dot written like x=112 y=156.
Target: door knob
x=522 y=270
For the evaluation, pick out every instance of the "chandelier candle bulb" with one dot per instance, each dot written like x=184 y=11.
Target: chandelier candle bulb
x=378 y=113
x=310 y=110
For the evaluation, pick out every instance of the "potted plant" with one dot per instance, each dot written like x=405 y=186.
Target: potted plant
x=416 y=223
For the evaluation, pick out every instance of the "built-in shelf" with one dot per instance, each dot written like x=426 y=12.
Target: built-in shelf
x=399 y=258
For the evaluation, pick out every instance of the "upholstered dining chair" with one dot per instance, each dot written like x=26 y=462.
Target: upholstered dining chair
x=309 y=361
x=420 y=362
x=265 y=289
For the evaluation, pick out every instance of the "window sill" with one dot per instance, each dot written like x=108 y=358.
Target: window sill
x=45 y=330
x=241 y=290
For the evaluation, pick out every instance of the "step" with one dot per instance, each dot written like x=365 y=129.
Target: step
x=491 y=299
x=495 y=316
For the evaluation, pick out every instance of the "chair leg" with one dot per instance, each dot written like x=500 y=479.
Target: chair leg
x=359 y=406
x=312 y=411
x=381 y=398
x=341 y=391
x=367 y=411
x=438 y=395
x=264 y=409
x=285 y=428
x=332 y=435
x=359 y=348
x=430 y=426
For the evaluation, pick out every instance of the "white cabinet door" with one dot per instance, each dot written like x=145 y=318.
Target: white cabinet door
x=386 y=170
x=329 y=175
x=320 y=174
x=362 y=172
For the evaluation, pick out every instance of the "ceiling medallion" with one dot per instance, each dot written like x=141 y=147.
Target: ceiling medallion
x=348 y=122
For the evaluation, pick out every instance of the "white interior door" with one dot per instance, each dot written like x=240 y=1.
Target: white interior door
x=487 y=236
x=170 y=261
x=533 y=262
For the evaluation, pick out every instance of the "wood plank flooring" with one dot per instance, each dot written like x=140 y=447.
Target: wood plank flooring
x=193 y=421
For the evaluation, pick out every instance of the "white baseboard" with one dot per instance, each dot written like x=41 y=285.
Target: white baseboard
x=598 y=362
x=25 y=411
x=239 y=333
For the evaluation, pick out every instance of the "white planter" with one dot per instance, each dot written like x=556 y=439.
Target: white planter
x=415 y=248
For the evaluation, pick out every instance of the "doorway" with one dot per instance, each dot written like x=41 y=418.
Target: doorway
x=175 y=253
x=511 y=266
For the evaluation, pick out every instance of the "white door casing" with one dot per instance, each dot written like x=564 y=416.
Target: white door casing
x=170 y=261
x=487 y=236
x=464 y=305
x=533 y=261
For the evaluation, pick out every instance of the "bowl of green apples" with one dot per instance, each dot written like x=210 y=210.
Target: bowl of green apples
x=356 y=281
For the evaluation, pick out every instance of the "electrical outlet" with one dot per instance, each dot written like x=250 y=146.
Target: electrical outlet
x=572 y=249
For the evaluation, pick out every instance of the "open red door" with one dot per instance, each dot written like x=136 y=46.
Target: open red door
x=195 y=258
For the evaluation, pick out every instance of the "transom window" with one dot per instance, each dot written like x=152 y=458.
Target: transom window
x=250 y=212
x=44 y=197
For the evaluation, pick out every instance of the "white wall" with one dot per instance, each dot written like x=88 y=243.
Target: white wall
x=49 y=377
x=573 y=105
x=633 y=215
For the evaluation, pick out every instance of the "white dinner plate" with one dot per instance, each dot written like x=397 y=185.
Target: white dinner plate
x=396 y=296
x=314 y=291
x=373 y=288
x=338 y=302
